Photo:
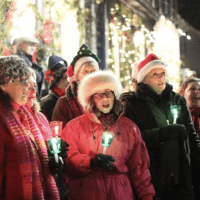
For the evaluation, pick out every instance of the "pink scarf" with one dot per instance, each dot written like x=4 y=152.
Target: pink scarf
x=29 y=168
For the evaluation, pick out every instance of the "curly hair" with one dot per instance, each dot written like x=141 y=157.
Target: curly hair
x=185 y=84
x=12 y=67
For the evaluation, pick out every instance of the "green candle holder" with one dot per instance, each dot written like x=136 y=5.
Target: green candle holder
x=175 y=112
x=54 y=145
x=107 y=139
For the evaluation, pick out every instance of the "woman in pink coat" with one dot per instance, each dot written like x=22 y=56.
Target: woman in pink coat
x=43 y=124
x=112 y=172
x=24 y=166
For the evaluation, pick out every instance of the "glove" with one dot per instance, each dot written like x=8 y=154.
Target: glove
x=64 y=149
x=102 y=160
x=172 y=132
x=53 y=165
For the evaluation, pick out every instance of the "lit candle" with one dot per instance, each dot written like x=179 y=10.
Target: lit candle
x=107 y=140
x=175 y=111
x=55 y=142
x=55 y=147
x=56 y=130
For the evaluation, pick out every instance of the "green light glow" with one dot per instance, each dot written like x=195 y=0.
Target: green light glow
x=107 y=139
x=175 y=112
x=54 y=145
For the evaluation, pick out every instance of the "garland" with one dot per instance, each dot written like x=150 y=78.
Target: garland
x=125 y=24
x=7 y=8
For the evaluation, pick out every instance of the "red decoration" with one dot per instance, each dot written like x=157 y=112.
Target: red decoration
x=128 y=38
x=48 y=26
x=70 y=71
x=9 y=14
x=49 y=76
x=6 y=51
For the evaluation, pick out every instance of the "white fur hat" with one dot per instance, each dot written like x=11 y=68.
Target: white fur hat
x=96 y=82
x=149 y=63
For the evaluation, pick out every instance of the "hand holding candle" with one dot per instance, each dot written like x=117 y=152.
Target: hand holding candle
x=55 y=142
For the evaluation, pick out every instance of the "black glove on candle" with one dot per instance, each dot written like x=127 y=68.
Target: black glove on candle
x=54 y=166
x=104 y=161
x=172 y=132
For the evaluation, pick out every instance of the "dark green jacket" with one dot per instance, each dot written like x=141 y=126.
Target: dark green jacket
x=169 y=161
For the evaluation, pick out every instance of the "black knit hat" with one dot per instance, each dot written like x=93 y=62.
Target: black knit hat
x=57 y=67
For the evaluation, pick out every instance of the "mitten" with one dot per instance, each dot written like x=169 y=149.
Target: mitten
x=172 y=132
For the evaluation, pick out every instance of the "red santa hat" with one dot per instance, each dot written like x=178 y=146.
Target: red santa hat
x=96 y=82
x=149 y=63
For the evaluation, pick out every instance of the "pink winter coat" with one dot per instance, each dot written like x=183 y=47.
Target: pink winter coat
x=127 y=148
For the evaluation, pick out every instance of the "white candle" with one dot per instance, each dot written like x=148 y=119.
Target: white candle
x=56 y=130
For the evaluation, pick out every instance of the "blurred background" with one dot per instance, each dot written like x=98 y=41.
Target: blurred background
x=120 y=32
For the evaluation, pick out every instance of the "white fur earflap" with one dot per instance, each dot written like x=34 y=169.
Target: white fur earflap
x=97 y=82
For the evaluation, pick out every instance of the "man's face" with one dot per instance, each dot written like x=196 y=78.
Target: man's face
x=28 y=48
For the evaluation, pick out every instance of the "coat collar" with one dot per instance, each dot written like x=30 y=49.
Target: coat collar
x=144 y=91
x=52 y=93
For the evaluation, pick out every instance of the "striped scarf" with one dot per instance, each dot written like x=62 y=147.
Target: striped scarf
x=29 y=169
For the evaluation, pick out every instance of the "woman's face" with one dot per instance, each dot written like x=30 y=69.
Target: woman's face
x=192 y=94
x=156 y=79
x=17 y=90
x=32 y=92
x=63 y=83
x=84 y=71
x=104 y=100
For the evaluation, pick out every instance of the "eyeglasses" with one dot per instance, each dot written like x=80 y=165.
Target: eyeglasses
x=107 y=94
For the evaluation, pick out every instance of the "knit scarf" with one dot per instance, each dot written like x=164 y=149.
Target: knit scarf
x=58 y=91
x=107 y=119
x=29 y=169
x=196 y=119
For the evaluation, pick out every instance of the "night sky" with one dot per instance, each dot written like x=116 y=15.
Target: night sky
x=190 y=11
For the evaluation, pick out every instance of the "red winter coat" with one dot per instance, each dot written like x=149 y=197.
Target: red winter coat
x=127 y=148
x=67 y=108
x=11 y=181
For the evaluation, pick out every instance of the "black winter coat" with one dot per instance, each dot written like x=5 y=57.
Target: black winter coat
x=169 y=161
x=37 y=68
x=47 y=104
